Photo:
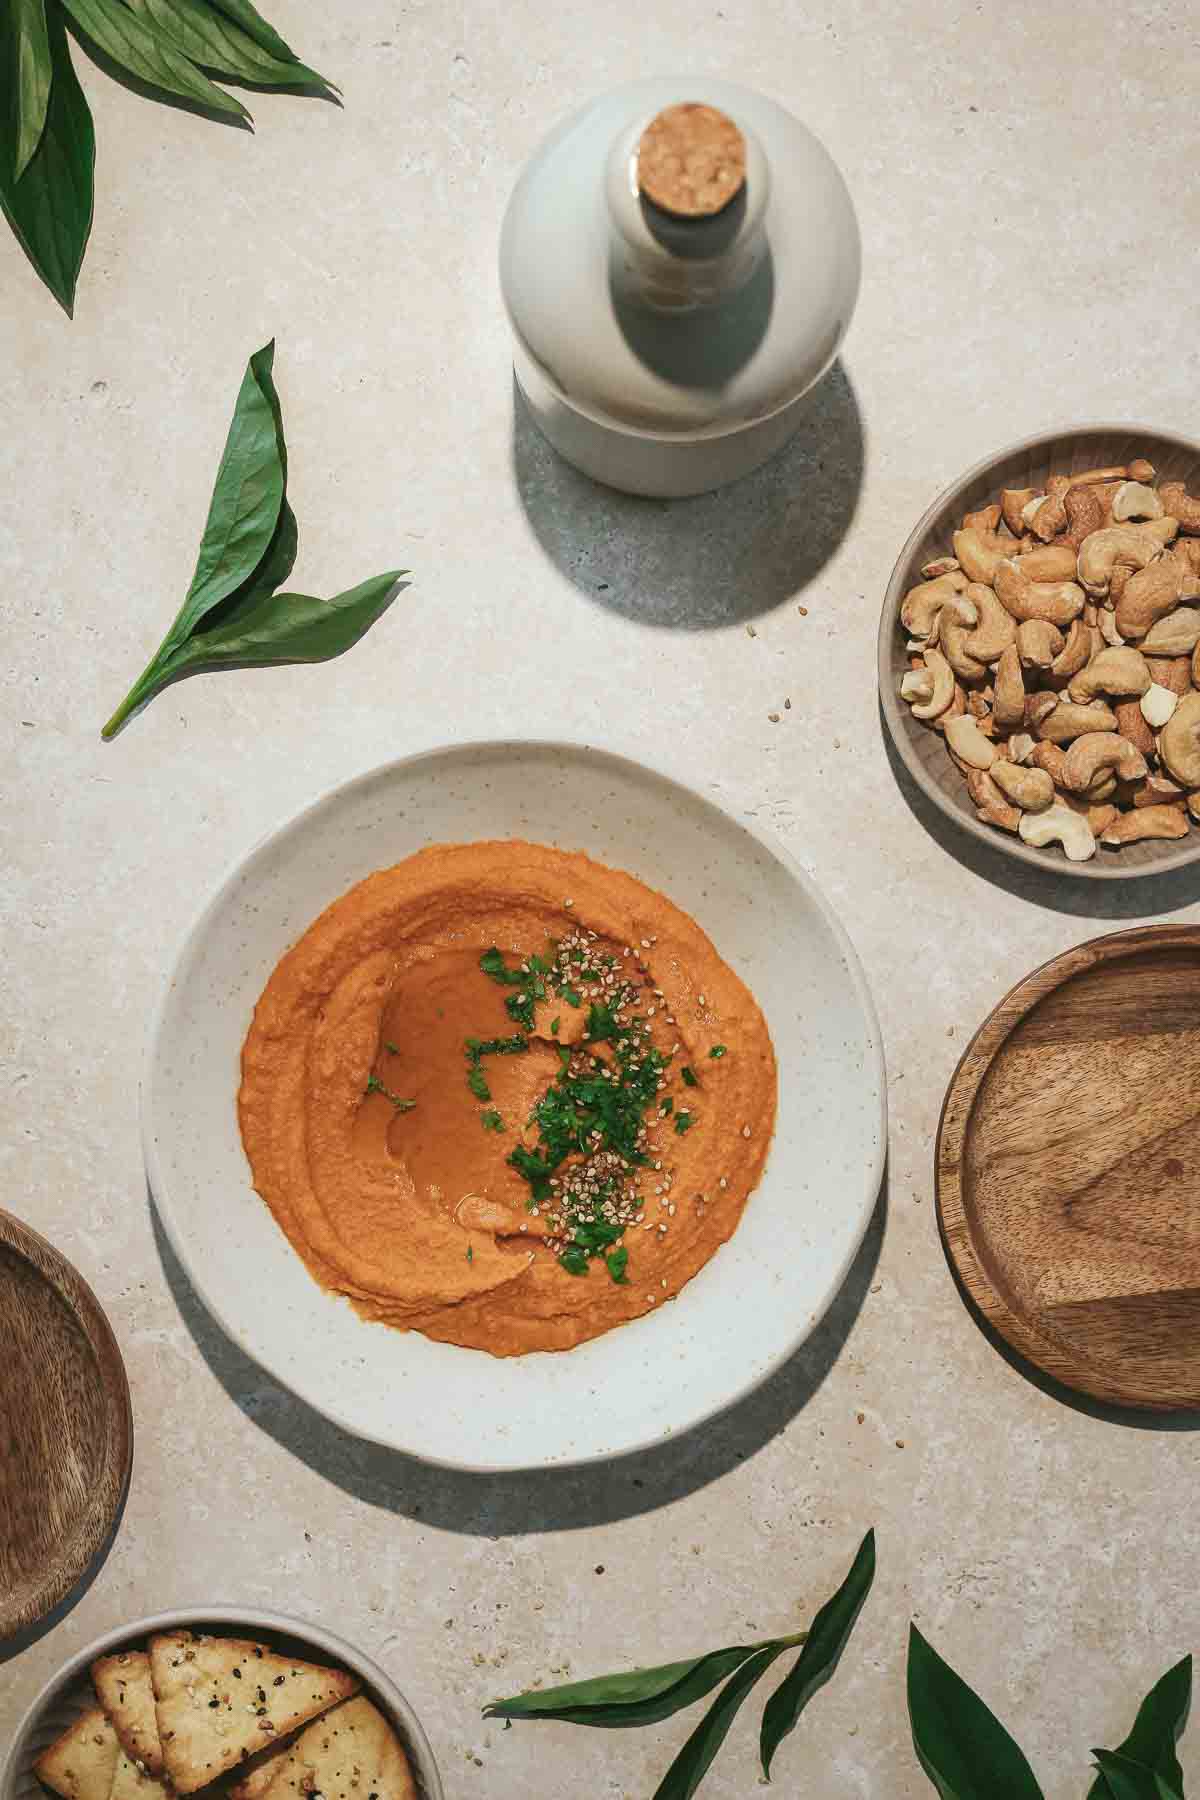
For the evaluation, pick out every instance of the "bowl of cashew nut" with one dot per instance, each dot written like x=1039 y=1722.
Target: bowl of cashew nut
x=1039 y=652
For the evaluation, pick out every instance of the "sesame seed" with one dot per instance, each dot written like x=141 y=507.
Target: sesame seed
x=745 y=1131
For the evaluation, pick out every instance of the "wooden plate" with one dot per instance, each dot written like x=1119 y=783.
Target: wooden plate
x=1068 y=1168
x=922 y=751
x=66 y=1431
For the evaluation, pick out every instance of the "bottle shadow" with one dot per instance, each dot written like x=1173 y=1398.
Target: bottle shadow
x=714 y=560
x=1149 y=897
x=537 y=1500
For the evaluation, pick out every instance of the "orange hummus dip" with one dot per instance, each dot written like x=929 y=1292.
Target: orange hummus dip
x=505 y=1096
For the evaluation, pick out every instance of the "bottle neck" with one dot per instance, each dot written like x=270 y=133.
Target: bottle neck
x=676 y=264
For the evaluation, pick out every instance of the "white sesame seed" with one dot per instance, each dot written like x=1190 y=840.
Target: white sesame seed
x=745 y=1131
x=701 y=1000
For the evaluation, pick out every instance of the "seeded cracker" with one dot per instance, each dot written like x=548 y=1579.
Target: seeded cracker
x=132 y=1783
x=218 y=1700
x=80 y=1764
x=352 y=1750
x=123 y=1689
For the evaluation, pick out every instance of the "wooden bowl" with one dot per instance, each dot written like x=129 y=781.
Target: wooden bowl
x=68 y=1429
x=923 y=752
x=67 y=1695
x=1068 y=1168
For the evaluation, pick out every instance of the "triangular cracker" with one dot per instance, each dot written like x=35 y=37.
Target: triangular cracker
x=79 y=1765
x=132 y=1783
x=123 y=1689
x=351 y=1753
x=218 y=1700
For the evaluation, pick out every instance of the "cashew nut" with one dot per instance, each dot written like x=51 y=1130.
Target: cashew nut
x=1052 y=758
x=1157 y=705
x=940 y=678
x=1134 y=500
x=955 y=710
x=1008 y=700
x=1179 y=742
x=1114 y=671
x=1158 y=790
x=1069 y=721
x=1096 y=751
x=1193 y=806
x=1047 y=519
x=1030 y=789
x=1048 y=562
x=1058 y=601
x=1039 y=706
x=1146 y=822
x=1059 y=825
x=1038 y=643
x=1120 y=546
x=1107 y=628
x=1021 y=747
x=941 y=565
x=1131 y=724
x=969 y=744
x=995 y=630
x=1099 y=814
x=989 y=802
x=1012 y=504
x=952 y=634
x=1175 y=635
x=1176 y=673
x=1140 y=470
x=984 y=521
x=1088 y=509
x=921 y=605
x=1148 y=596
x=1180 y=505
x=978 y=555
x=1076 y=652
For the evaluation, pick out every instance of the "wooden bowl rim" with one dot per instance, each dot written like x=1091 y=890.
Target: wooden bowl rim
x=1051 y=859
x=1054 y=1357
x=91 y=1533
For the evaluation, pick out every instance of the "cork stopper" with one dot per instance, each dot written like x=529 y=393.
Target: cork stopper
x=691 y=160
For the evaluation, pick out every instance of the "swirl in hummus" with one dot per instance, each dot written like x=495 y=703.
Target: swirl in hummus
x=505 y=1096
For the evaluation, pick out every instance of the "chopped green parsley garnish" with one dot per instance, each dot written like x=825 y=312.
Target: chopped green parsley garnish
x=718 y=1050
x=477 y=1082
x=554 y=1025
x=683 y=1122
x=491 y=1120
x=574 y=1260
x=375 y=1086
x=470 y=1253
x=392 y=1049
x=689 y=1076
x=571 y=995
x=666 y=1106
x=617 y=1261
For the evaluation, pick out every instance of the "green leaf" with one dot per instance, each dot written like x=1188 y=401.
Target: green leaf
x=960 y=1743
x=143 y=52
x=828 y=1636
x=256 y=27
x=1157 y=1728
x=1121 y=1778
x=617 y=1261
x=210 y=39
x=636 y=1696
x=50 y=208
x=694 y=1760
x=34 y=73
x=287 y=628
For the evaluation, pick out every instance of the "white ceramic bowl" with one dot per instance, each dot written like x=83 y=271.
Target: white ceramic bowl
x=754 y=1302
x=69 y=1693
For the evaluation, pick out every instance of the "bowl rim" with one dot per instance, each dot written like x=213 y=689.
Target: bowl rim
x=663 y=772
x=1049 y=860
x=255 y=1619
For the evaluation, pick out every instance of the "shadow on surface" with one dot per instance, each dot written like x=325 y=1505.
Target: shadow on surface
x=538 y=1499
x=30 y=1634
x=1134 y=1417
x=1149 y=896
x=711 y=561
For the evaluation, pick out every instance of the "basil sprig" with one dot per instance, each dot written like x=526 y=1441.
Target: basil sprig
x=168 y=49
x=968 y=1754
x=647 y=1696
x=232 y=616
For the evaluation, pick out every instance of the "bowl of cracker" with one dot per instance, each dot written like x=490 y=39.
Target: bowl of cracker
x=245 y=1705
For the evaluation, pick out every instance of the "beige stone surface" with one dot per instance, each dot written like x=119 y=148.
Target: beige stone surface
x=1029 y=229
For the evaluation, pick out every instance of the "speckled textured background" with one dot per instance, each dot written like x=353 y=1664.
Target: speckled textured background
x=1029 y=231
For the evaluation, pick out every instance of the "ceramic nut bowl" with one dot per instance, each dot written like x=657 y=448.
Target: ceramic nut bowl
x=922 y=750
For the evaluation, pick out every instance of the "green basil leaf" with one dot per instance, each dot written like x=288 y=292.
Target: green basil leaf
x=695 y=1759
x=146 y=54
x=960 y=1743
x=34 y=73
x=288 y=628
x=635 y=1697
x=50 y=208
x=1157 y=1728
x=828 y=1636
x=256 y=27
x=211 y=40
x=1121 y=1778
